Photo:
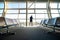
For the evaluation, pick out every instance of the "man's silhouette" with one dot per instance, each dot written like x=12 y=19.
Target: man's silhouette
x=31 y=21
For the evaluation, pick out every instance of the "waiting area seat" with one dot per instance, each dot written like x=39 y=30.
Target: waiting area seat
x=41 y=22
x=52 y=22
x=44 y=22
x=55 y=22
x=6 y=23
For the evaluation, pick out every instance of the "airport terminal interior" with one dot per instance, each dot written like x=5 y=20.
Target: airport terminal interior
x=16 y=24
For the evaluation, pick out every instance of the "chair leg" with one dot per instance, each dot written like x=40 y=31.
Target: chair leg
x=52 y=32
x=7 y=32
x=54 y=29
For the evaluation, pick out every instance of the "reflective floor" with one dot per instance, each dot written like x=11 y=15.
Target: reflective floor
x=34 y=24
x=30 y=33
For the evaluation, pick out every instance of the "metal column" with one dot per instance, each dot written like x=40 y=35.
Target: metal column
x=26 y=12
x=35 y=9
x=18 y=15
x=49 y=10
x=5 y=9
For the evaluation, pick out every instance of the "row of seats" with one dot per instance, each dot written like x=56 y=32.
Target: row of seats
x=11 y=21
x=55 y=22
x=6 y=23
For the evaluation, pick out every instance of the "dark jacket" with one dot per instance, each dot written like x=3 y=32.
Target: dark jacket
x=31 y=19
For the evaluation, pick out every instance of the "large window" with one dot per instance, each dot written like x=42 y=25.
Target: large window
x=38 y=10
x=54 y=12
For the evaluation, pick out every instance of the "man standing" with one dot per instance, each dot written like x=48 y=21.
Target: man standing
x=31 y=21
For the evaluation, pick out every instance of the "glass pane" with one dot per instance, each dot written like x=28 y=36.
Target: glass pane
x=33 y=15
x=53 y=5
x=12 y=16
x=54 y=11
x=22 y=16
x=23 y=21
x=1 y=5
x=38 y=20
x=40 y=5
x=41 y=16
x=55 y=15
x=30 y=5
x=30 y=11
x=12 y=5
x=41 y=11
x=22 y=11
x=22 y=5
x=16 y=4
x=59 y=11
x=1 y=11
x=12 y=11
x=59 y=5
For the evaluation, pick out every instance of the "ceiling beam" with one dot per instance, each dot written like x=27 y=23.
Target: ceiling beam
x=30 y=0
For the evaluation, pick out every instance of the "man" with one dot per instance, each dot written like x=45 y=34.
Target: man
x=31 y=21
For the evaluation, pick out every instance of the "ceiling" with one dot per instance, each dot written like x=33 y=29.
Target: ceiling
x=29 y=0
